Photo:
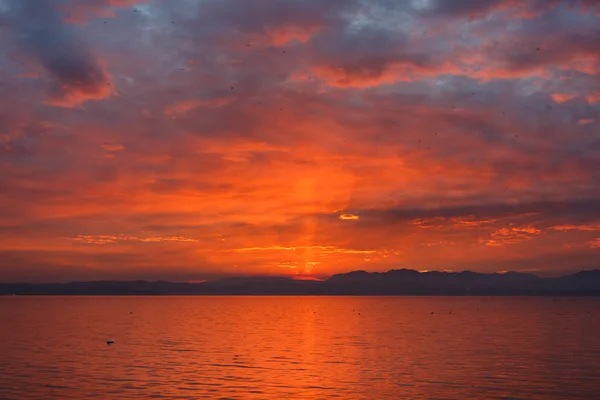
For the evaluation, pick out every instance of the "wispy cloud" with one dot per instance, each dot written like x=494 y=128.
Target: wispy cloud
x=577 y=228
x=111 y=239
x=322 y=249
x=512 y=235
x=112 y=146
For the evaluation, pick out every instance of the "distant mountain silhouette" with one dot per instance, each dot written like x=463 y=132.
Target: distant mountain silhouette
x=392 y=283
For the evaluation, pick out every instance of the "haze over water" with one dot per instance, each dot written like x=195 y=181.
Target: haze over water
x=299 y=348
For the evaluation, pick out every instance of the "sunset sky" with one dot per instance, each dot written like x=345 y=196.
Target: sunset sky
x=197 y=139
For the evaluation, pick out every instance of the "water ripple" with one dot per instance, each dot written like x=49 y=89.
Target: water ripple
x=299 y=348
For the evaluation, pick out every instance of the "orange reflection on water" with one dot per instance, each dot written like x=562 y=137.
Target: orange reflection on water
x=299 y=347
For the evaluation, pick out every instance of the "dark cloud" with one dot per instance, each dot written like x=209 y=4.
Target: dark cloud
x=56 y=45
x=250 y=126
x=365 y=54
x=59 y=266
x=574 y=210
x=261 y=15
x=464 y=8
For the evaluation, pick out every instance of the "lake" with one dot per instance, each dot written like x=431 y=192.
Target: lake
x=299 y=348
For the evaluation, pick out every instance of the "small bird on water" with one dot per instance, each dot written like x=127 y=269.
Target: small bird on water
x=110 y=342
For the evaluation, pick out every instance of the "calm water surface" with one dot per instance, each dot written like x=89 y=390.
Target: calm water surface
x=299 y=348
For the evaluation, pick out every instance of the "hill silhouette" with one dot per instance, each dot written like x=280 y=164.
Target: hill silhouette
x=391 y=283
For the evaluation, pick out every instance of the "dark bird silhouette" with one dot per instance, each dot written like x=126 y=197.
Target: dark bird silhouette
x=109 y=342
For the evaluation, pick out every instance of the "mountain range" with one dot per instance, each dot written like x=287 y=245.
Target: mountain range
x=398 y=282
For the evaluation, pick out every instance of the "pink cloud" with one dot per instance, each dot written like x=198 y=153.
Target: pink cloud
x=78 y=12
x=283 y=35
x=76 y=93
x=562 y=97
x=585 y=121
x=184 y=106
x=593 y=98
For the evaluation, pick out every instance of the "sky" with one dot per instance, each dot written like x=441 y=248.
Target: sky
x=196 y=139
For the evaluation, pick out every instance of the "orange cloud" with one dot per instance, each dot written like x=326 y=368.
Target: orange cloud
x=577 y=228
x=389 y=73
x=254 y=180
x=323 y=249
x=472 y=222
x=96 y=86
x=348 y=217
x=562 y=97
x=112 y=146
x=429 y=223
x=511 y=235
x=111 y=239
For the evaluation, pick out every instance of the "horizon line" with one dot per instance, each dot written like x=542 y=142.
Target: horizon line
x=304 y=277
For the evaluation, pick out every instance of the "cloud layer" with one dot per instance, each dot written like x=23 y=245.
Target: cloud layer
x=195 y=139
